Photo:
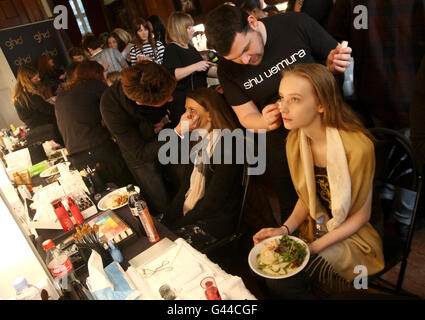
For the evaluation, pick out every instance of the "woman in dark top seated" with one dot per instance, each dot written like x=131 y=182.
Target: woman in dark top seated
x=51 y=76
x=78 y=114
x=210 y=191
x=32 y=108
x=184 y=62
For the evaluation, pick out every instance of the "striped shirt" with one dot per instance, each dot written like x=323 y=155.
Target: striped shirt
x=111 y=59
x=148 y=51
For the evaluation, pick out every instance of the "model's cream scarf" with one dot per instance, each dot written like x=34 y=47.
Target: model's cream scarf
x=350 y=168
x=197 y=180
x=338 y=176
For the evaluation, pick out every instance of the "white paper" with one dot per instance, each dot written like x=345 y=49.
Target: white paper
x=98 y=278
x=72 y=182
x=19 y=160
x=189 y=268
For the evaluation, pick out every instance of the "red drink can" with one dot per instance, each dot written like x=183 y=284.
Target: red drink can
x=62 y=215
x=75 y=211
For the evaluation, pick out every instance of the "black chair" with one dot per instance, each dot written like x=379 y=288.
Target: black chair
x=238 y=232
x=398 y=183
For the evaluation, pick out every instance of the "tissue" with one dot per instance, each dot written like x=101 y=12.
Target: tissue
x=98 y=278
x=109 y=283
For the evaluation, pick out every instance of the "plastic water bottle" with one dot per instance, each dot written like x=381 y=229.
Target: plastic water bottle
x=26 y=291
x=62 y=270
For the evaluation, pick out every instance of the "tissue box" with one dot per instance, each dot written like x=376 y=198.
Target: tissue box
x=123 y=289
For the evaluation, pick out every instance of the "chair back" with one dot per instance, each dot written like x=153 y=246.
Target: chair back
x=238 y=232
x=398 y=178
x=397 y=184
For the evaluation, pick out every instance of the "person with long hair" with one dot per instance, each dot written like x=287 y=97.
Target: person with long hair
x=110 y=58
x=115 y=42
x=88 y=142
x=332 y=164
x=184 y=61
x=121 y=40
x=146 y=46
x=157 y=27
x=210 y=191
x=51 y=76
x=29 y=98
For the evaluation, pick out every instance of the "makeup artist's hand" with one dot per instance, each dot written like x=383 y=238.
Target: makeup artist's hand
x=272 y=116
x=339 y=59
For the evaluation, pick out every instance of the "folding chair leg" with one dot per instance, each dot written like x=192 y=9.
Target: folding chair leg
x=401 y=275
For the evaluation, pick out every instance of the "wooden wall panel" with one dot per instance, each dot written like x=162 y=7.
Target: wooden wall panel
x=18 y=12
x=207 y=6
x=12 y=14
x=135 y=8
x=96 y=16
x=162 y=9
x=34 y=10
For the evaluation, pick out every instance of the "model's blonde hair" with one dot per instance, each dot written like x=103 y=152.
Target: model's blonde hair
x=178 y=22
x=24 y=85
x=337 y=113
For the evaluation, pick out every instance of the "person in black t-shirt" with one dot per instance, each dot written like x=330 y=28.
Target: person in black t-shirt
x=80 y=123
x=184 y=62
x=255 y=53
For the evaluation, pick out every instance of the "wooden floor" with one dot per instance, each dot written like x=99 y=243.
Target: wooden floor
x=414 y=279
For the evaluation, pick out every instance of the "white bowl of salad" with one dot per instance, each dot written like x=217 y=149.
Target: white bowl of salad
x=279 y=257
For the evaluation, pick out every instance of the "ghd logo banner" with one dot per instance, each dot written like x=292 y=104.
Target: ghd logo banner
x=26 y=43
x=51 y=53
x=12 y=43
x=40 y=36
x=21 y=61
